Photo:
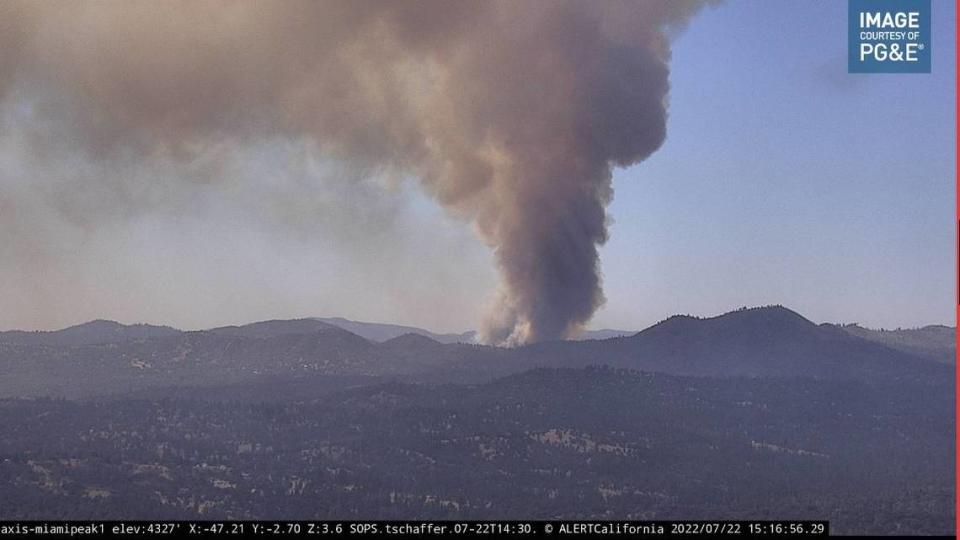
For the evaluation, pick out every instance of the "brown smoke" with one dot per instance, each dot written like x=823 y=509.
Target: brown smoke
x=511 y=113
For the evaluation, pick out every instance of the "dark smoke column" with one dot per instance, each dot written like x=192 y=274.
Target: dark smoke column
x=596 y=83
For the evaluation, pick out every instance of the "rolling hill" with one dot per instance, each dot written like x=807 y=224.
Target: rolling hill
x=759 y=342
x=936 y=341
x=754 y=414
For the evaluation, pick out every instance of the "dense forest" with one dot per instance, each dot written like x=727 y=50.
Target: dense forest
x=871 y=449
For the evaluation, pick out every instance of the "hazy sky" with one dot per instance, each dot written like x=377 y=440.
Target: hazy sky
x=782 y=180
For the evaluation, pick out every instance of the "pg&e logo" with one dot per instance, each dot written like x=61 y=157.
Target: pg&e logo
x=888 y=36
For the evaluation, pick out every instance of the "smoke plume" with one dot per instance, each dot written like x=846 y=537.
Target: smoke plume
x=511 y=114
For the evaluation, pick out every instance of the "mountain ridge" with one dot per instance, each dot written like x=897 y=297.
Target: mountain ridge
x=758 y=342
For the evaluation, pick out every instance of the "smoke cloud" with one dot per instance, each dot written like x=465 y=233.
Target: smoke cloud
x=510 y=114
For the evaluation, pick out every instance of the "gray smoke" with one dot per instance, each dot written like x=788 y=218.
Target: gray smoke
x=511 y=114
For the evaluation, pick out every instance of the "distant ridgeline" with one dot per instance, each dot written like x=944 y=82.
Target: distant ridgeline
x=752 y=414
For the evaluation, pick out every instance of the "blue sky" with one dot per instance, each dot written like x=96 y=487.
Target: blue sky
x=784 y=179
